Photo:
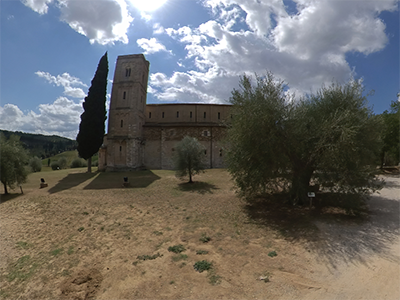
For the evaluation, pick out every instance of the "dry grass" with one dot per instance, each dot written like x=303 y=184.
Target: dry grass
x=87 y=228
x=68 y=155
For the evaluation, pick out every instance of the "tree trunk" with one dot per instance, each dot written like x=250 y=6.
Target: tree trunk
x=5 y=189
x=382 y=158
x=190 y=177
x=300 y=184
x=89 y=165
x=190 y=169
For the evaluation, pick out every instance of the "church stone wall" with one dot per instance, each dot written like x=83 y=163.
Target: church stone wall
x=161 y=141
x=187 y=113
x=141 y=135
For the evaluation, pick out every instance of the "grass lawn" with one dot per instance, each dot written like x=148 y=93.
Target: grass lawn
x=69 y=155
x=86 y=236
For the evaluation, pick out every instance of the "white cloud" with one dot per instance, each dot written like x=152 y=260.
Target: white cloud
x=259 y=14
x=151 y=90
x=246 y=36
x=67 y=81
x=306 y=45
x=192 y=86
x=325 y=27
x=158 y=29
x=145 y=16
x=40 y=6
x=103 y=22
x=62 y=117
x=151 y=46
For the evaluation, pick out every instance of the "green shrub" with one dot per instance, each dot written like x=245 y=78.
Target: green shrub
x=149 y=257
x=202 y=265
x=36 y=164
x=54 y=165
x=62 y=163
x=205 y=238
x=272 y=254
x=78 y=163
x=177 y=248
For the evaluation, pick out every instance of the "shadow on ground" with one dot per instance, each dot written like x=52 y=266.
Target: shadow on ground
x=112 y=180
x=197 y=187
x=8 y=197
x=330 y=233
x=70 y=181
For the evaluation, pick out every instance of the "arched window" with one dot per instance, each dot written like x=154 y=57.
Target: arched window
x=124 y=96
x=120 y=148
x=122 y=123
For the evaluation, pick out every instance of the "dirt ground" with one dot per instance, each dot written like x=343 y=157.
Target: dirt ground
x=87 y=237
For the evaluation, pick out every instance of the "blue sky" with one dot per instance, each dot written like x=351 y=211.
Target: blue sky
x=197 y=50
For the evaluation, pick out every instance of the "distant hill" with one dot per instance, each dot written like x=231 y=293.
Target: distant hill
x=69 y=156
x=43 y=146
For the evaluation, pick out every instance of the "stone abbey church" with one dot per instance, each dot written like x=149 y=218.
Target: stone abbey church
x=144 y=135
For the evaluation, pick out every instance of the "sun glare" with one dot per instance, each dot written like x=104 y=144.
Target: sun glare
x=148 y=5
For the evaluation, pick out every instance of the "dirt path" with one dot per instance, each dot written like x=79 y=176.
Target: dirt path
x=45 y=254
x=361 y=261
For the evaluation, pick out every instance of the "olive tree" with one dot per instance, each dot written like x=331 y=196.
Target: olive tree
x=36 y=164
x=13 y=158
x=189 y=158
x=390 y=152
x=277 y=143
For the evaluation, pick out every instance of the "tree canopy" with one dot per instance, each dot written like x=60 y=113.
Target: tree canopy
x=390 y=153
x=189 y=158
x=276 y=143
x=13 y=158
x=92 y=127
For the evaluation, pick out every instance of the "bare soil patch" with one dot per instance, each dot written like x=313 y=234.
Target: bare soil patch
x=87 y=237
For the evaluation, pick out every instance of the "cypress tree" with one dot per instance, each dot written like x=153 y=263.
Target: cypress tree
x=92 y=128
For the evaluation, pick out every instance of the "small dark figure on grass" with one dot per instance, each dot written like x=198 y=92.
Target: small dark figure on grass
x=189 y=158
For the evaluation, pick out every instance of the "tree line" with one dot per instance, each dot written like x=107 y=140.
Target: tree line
x=274 y=142
x=42 y=146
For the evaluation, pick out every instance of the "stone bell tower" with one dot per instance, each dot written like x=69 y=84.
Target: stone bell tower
x=126 y=116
